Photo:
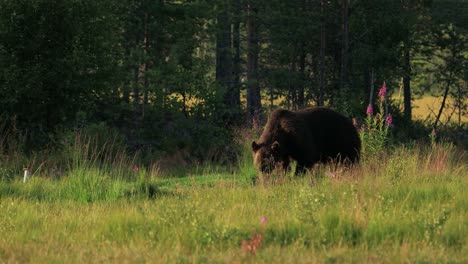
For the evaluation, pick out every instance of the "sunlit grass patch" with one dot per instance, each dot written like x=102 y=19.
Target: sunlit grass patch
x=428 y=106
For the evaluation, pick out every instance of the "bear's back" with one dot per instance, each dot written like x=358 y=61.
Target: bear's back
x=332 y=132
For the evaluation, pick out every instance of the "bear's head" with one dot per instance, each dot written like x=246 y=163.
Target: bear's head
x=267 y=157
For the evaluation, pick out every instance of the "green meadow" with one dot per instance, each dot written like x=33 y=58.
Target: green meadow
x=406 y=204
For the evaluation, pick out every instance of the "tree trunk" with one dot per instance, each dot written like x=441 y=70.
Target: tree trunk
x=366 y=75
x=312 y=94
x=136 y=84
x=236 y=68
x=223 y=53
x=371 y=94
x=300 y=90
x=446 y=92
x=345 y=46
x=460 y=102
x=224 y=64
x=253 y=89
x=126 y=92
x=294 y=84
x=302 y=57
x=146 y=67
x=272 y=97
x=136 y=89
x=322 y=55
x=407 y=84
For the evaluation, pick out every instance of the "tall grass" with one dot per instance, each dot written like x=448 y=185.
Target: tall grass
x=86 y=170
x=406 y=204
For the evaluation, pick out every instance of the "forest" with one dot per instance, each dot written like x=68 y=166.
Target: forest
x=165 y=76
x=126 y=130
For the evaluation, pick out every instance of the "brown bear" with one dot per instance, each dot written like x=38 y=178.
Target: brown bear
x=307 y=136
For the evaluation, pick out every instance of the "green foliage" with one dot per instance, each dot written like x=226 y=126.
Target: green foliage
x=55 y=59
x=146 y=70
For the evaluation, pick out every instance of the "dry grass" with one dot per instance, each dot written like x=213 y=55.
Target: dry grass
x=428 y=106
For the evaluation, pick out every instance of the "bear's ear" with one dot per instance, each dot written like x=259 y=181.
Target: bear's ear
x=275 y=146
x=255 y=146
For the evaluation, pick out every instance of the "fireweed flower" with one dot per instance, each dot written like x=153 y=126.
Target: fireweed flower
x=377 y=117
x=263 y=220
x=363 y=128
x=370 y=110
x=383 y=91
x=389 y=120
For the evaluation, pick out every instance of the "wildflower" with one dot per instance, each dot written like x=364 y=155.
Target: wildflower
x=135 y=168
x=377 y=117
x=389 y=120
x=370 y=110
x=263 y=220
x=383 y=91
x=355 y=123
x=363 y=128
x=251 y=245
x=434 y=133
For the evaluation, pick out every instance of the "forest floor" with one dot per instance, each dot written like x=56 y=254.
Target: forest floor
x=405 y=205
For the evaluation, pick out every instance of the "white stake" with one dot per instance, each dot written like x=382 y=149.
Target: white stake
x=27 y=174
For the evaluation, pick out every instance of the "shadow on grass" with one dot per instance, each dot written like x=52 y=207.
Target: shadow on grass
x=82 y=190
x=147 y=191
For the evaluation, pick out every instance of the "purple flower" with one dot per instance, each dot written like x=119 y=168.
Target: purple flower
x=355 y=123
x=383 y=91
x=389 y=120
x=370 y=110
x=263 y=220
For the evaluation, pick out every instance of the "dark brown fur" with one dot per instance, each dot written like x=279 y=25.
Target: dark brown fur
x=307 y=136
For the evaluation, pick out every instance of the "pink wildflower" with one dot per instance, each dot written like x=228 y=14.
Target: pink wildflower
x=383 y=91
x=370 y=110
x=355 y=123
x=389 y=120
x=135 y=168
x=263 y=220
x=363 y=128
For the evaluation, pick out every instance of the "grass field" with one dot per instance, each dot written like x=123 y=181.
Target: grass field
x=424 y=106
x=405 y=205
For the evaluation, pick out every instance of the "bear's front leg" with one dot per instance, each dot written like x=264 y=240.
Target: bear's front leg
x=301 y=168
x=285 y=165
